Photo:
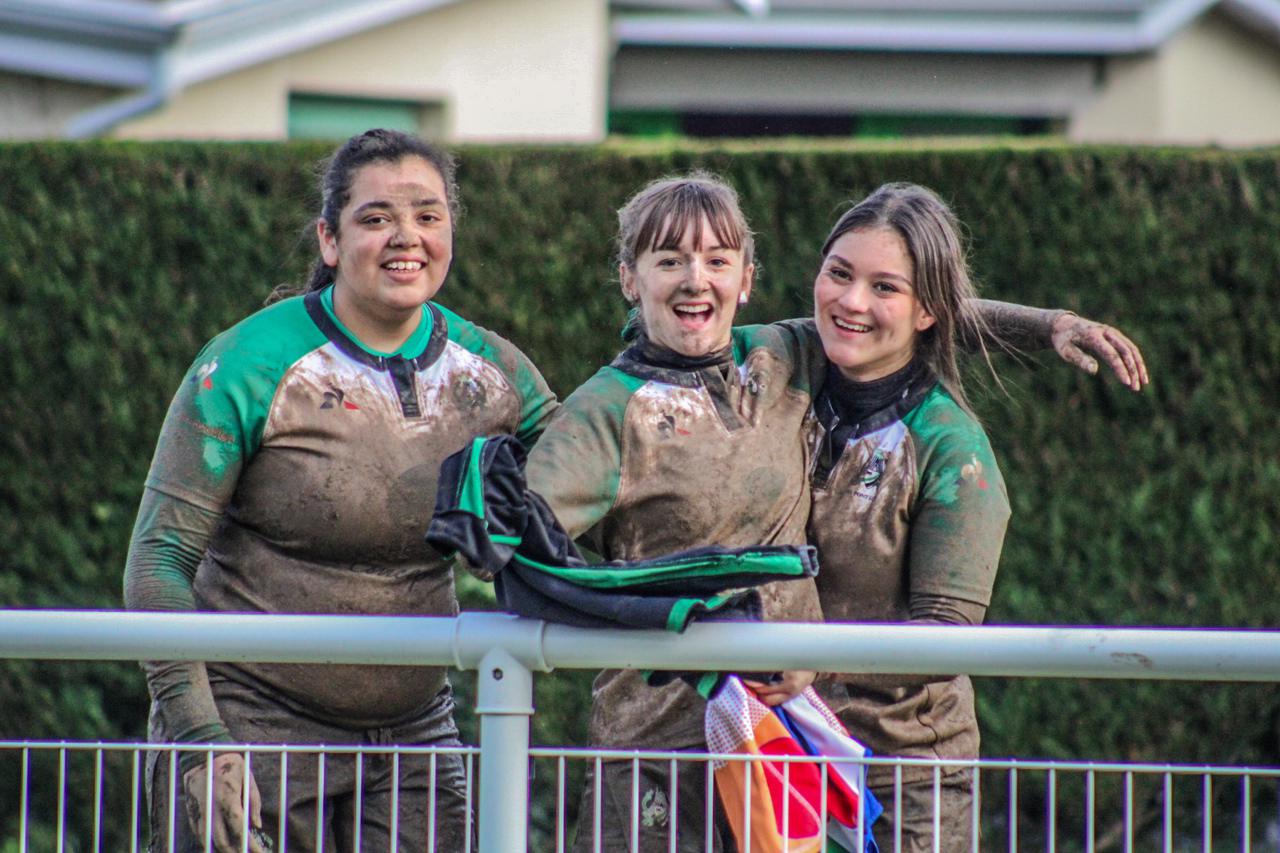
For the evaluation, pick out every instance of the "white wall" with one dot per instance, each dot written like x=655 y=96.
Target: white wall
x=505 y=70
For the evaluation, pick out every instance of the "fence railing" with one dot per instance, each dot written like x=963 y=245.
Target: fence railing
x=505 y=651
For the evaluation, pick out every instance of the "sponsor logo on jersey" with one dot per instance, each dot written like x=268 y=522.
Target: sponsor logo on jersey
x=667 y=426
x=335 y=398
x=972 y=472
x=204 y=374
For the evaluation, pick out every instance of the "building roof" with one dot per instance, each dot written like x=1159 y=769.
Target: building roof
x=154 y=48
x=176 y=43
x=1080 y=27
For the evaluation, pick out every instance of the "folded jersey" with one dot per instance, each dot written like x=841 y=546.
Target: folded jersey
x=485 y=512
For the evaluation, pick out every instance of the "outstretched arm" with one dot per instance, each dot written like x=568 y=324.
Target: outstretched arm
x=1077 y=340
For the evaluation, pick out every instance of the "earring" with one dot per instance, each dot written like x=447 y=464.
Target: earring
x=742 y=299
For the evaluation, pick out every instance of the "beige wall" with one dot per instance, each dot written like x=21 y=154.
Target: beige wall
x=39 y=108
x=1213 y=83
x=1225 y=86
x=504 y=70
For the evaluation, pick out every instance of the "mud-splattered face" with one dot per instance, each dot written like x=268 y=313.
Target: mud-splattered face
x=392 y=249
x=688 y=294
x=865 y=304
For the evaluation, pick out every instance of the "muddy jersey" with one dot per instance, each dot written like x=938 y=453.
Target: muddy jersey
x=644 y=460
x=318 y=460
x=909 y=503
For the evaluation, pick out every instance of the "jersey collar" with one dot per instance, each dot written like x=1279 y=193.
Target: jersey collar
x=422 y=349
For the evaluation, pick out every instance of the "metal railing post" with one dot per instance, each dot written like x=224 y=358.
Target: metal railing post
x=504 y=705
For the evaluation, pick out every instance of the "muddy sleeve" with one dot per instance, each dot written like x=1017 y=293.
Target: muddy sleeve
x=1008 y=325
x=959 y=516
x=537 y=402
x=925 y=609
x=212 y=427
x=576 y=466
x=928 y=609
x=809 y=362
x=169 y=540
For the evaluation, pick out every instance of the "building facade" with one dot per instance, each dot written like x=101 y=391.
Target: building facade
x=1149 y=71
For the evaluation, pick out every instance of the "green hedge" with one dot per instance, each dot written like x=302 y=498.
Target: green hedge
x=118 y=260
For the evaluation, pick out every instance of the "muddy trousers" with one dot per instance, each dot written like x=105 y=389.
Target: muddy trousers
x=643 y=796
x=343 y=796
x=915 y=821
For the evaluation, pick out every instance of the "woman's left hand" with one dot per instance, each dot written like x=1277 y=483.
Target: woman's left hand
x=790 y=686
x=1082 y=342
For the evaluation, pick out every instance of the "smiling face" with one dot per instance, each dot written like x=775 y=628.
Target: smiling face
x=865 y=304
x=392 y=249
x=688 y=293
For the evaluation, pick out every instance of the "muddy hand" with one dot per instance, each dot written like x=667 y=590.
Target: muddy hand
x=228 y=805
x=1084 y=342
x=791 y=685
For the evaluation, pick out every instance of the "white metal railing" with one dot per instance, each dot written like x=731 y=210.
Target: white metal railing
x=505 y=651
x=1186 y=807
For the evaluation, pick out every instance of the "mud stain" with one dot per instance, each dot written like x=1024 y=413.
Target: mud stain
x=1133 y=657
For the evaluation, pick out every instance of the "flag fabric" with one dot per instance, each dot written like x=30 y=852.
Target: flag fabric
x=776 y=806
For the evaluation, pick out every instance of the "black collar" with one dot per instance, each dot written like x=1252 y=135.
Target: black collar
x=855 y=402
x=849 y=410
x=647 y=360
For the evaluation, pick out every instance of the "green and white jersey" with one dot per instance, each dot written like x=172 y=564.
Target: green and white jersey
x=646 y=458
x=317 y=460
x=911 y=503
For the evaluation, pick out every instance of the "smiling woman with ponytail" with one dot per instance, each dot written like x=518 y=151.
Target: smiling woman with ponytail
x=291 y=476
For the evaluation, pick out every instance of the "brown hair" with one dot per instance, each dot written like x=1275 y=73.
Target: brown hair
x=942 y=284
x=658 y=216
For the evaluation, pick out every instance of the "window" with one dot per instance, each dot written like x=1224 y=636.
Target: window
x=862 y=125
x=338 y=117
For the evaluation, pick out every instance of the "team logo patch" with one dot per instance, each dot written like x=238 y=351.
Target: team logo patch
x=334 y=398
x=468 y=394
x=655 y=809
x=874 y=470
x=872 y=474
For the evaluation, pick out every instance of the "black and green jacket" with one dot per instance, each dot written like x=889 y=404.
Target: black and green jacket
x=485 y=512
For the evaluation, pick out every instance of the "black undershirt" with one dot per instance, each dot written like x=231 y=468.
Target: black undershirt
x=848 y=409
x=657 y=355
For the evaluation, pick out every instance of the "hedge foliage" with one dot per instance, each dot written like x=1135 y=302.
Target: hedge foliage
x=118 y=260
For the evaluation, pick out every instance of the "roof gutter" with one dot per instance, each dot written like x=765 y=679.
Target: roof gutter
x=248 y=32
x=1005 y=34
x=1262 y=15
x=160 y=49
x=99 y=120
